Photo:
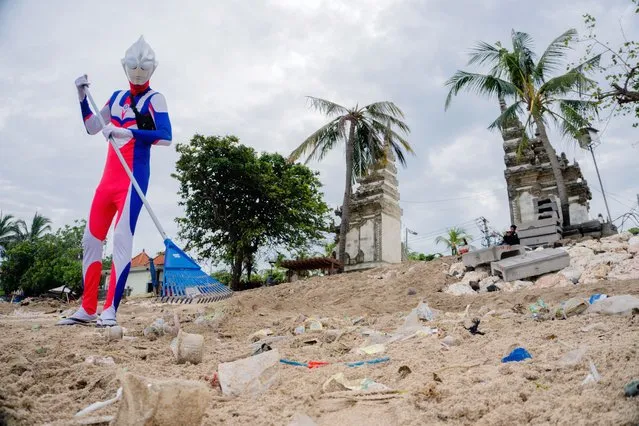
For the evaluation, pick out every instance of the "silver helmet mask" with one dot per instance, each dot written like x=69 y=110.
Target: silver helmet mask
x=139 y=62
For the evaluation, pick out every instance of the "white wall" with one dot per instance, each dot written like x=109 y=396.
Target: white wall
x=391 y=239
x=362 y=238
x=138 y=281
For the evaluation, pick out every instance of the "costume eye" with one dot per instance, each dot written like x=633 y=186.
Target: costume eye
x=131 y=63
x=146 y=65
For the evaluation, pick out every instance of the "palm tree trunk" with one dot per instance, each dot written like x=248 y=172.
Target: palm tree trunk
x=556 y=169
x=502 y=102
x=346 y=203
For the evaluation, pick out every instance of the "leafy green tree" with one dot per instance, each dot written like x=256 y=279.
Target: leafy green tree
x=518 y=75
x=634 y=231
x=40 y=225
x=369 y=134
x=237 y=201
x=454 y=237
x=620 y=69
x=423 y=257
x=222 y=276
x=40 y=264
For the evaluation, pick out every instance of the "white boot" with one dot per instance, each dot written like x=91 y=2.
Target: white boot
x=79 y=317
x=107 y=318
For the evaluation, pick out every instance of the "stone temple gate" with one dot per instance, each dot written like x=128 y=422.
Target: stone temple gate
x=374 y=236
x=530 y=178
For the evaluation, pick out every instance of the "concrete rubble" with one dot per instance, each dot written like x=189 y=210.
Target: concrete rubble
x=610 y=258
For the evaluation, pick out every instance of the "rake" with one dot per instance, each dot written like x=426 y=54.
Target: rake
x=184 y=280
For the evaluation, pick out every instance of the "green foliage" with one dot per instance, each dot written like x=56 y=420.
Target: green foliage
x=237 y=201
x=620 y=69
x=222 y=276
x=454 y=237
x=42 y=262
x=634 y=231
x=423 y=257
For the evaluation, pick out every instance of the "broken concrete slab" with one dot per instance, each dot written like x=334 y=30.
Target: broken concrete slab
x=531 y=264
x=490 y=254
x=541 y=240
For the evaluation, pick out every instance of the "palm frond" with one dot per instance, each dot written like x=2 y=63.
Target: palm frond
x=484 y=52
x=572 y=81
x=508 y=117
x=326 y=107
x=479 y=83
x=554 y=53
x=522 y=42
x=397 y=143
x=387 y=112
x=573 y=116
x=326 y=135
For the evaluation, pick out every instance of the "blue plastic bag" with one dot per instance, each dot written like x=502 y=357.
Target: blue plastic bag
x=518 y=354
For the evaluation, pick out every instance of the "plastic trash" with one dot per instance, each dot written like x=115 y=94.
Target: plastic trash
x=596 y=297
x=113 y=333
x=573 y=357
x=631 y=389
x=299 y=330
x=100 y=404
x=593 y=376
x=518 y=354
x=368 y=362
x=615 y=305
x=161 y=402
x=259 y=335
x=539 y=310
x=313 y=325
x=571 y=307
x=372 y=349
x=252 y=375
x=188 y=347
x=339 y=383
x=424 y=312
x=99 y=360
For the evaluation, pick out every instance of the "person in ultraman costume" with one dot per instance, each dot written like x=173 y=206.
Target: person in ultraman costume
x=137 y=119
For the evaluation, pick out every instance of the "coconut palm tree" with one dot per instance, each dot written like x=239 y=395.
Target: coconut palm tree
x=454 y=237
x=516 y=75
x=7 y=229
x=40 y=225
x=370 y=136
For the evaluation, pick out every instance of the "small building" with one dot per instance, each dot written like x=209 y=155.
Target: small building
x=139 y=280
x=299 y=268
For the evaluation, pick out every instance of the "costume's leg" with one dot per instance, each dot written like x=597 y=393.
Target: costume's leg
x=100 y=216
x=128 y=212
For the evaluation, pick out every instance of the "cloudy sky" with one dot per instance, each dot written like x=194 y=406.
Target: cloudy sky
x=243 y=68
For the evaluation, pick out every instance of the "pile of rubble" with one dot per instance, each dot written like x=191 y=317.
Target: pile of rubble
x=610 y=258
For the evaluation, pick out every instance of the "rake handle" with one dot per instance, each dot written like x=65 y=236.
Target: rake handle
x=126 y=167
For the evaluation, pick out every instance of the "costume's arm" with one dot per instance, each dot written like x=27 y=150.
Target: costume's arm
x=91 y=122
x=162 y=135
